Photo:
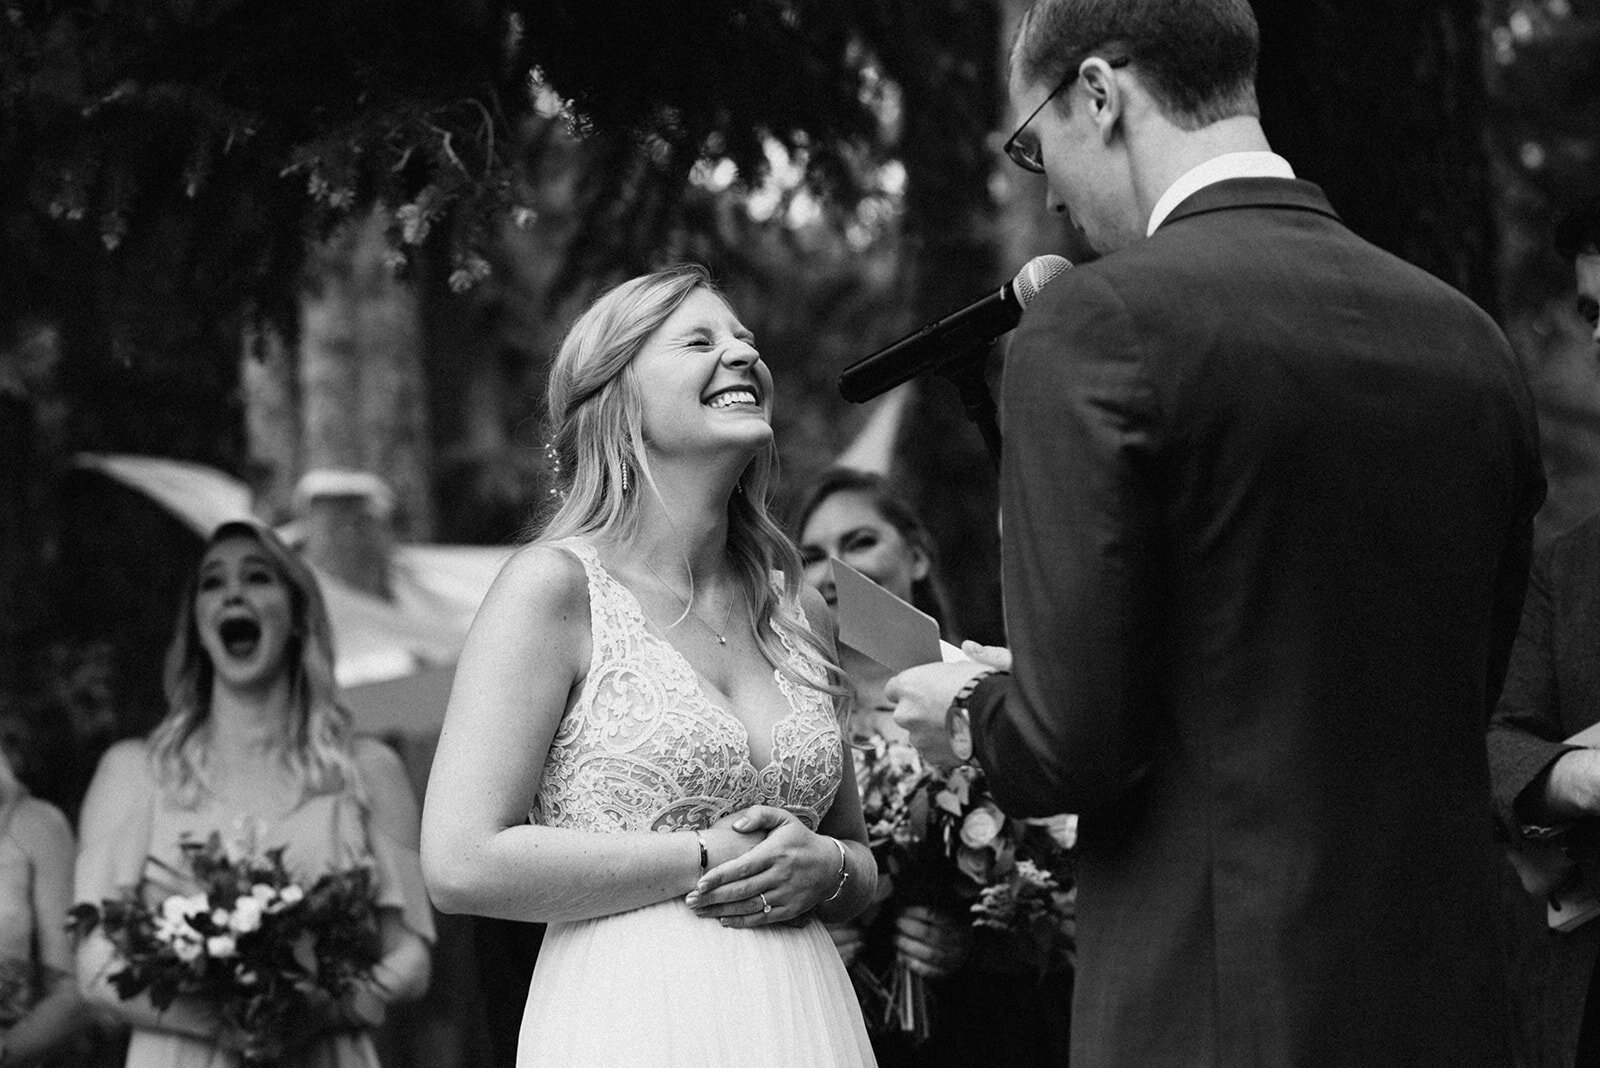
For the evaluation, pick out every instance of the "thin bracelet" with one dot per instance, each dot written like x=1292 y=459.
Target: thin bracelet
x=844 y=874
x=705 y=858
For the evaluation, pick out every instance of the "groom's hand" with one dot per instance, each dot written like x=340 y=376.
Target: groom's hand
x=922 y=697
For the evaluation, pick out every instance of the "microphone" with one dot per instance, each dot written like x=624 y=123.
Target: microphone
x=962 y=335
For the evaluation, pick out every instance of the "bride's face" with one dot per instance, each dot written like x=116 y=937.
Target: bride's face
x=702 y=381
x=243 y=612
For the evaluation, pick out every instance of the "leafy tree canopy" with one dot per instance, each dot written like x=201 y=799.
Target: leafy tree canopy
x=176 y=154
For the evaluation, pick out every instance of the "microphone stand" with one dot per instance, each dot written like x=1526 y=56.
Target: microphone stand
x=967 y=374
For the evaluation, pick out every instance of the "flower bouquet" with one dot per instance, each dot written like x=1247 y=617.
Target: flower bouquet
x=1019 y=870
x=946 y=843
x=262 y=949
x=890 y=777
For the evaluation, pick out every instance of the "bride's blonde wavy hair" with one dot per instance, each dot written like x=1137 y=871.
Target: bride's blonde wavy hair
x=317 y=740
x=596 y=434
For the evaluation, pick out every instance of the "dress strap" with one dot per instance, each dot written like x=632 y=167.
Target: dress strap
x=609 y=634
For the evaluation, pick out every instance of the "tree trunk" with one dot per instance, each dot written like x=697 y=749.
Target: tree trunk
x=363 y=410
x=951 y=245
x=1384 y=106
x=269 y=376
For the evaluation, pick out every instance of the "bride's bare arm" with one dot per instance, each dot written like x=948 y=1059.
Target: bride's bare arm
x=525 y=657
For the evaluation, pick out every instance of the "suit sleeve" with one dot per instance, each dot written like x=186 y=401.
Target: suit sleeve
x=1080 y=557
x=1525 y=731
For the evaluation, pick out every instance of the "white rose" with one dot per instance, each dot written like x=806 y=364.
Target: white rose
x=220 y=947
x=246 y=915
x=263 y=893
x=219 y=917
x=981 y=826
x=291 y=894
x=175 y=909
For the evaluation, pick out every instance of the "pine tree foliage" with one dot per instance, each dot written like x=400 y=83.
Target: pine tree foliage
x=205 y=142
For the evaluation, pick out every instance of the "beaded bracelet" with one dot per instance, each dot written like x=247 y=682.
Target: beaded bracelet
x=844 y=873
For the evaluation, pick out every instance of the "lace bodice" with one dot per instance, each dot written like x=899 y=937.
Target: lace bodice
x=644 y=748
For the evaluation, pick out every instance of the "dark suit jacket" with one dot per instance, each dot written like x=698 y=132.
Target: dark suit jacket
x=1552 y=691
x=1267 y=496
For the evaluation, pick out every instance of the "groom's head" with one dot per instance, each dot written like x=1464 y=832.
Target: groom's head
x=1089 y=78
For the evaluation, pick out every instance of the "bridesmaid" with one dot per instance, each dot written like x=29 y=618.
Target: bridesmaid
x=42 y=1018
x=987 y=1007
x=255 y=745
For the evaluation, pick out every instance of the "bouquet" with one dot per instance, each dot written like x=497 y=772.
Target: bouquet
x=1019 y=871
x=889 y=776
x=944 y=842
x=262 y=949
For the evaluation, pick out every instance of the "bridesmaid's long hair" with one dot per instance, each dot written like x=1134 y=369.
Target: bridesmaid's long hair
x=596 y=433
x=317 y=743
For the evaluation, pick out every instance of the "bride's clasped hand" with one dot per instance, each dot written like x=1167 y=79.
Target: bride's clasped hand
x=780 y=880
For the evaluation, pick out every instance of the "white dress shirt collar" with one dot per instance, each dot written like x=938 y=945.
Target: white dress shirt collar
x=1213 y=170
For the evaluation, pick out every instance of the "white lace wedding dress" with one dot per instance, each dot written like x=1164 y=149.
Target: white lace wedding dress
x=644 y=749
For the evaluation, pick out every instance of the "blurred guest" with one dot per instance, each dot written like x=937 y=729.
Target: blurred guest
x=43 y=1021
x=1268 y=496
x=255 y=746
x=1547 y=793
x=989 y=1003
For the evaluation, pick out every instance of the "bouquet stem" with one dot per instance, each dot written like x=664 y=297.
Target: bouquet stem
x=909 y=1009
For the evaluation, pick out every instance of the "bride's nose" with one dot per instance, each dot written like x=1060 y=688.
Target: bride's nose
x=739 y=354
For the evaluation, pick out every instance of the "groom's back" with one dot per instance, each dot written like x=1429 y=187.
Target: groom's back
x=1347 y=466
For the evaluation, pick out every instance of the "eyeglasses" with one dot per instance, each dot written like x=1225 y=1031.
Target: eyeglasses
x=1027 y=154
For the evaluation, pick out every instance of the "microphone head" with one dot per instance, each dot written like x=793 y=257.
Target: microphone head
x=1035 y=274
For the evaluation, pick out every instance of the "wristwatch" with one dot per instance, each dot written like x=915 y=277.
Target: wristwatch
x=958 y=720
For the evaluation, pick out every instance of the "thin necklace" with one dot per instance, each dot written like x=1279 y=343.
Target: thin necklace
x=722 y=634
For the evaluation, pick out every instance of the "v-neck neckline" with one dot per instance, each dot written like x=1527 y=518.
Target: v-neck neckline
x=702 y=686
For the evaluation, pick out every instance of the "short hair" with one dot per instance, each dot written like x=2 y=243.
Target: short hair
x=927 y=593
x=318 y=737
x=1578 y=234
x=1197 y=58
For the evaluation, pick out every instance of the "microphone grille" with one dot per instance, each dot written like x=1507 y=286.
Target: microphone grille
x=1035 y=274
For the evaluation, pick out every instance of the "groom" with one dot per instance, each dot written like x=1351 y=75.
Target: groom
x=1267 y=495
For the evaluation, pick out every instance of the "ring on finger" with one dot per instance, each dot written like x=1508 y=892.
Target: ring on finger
x=765 y=907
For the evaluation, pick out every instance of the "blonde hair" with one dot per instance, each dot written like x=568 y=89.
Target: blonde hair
x=596 y=443
x=318 y=735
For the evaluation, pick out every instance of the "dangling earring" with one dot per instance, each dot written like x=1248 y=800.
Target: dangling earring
x=624 y=478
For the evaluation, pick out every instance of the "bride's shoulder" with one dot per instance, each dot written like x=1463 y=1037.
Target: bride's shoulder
x=543 y=575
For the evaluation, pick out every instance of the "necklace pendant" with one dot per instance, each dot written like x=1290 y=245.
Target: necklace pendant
x=721 y=640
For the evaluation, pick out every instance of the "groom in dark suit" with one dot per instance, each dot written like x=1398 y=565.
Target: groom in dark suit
x=1267 y=496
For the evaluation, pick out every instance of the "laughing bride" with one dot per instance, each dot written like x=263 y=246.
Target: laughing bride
x=642 y=747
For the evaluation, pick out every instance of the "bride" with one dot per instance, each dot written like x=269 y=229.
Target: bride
x=641 y=748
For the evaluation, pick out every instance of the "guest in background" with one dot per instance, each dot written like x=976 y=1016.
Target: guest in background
x=1547 y=793
x=43 y=1021
x=989 y=1004
x=255 y=745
